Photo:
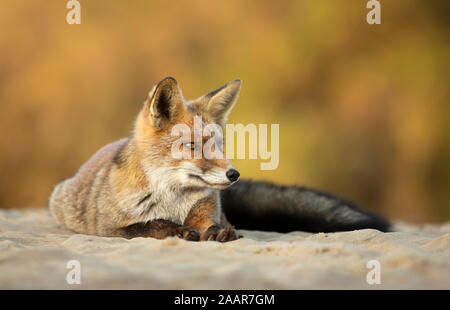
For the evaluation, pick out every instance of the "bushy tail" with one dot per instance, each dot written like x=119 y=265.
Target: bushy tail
x=266 y=206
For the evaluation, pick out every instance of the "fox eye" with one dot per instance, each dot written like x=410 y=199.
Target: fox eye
x=190 y=145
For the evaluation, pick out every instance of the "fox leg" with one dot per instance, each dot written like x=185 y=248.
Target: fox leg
x=159 y=229
x=207 y=218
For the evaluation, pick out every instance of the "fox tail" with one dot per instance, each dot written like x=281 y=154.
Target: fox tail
x=269 y=207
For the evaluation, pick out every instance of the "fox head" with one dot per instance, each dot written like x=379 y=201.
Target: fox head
x=157 y=135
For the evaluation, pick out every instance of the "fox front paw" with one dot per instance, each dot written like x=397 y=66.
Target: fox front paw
x=188 y=233
x=218 y=233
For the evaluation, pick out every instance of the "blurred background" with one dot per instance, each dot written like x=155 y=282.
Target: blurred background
x=363 y=109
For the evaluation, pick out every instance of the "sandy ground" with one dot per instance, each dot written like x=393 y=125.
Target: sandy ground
x=34 y=253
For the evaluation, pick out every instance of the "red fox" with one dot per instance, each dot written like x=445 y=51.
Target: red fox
x=135 y=188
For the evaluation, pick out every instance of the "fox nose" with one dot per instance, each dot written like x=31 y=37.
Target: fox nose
x=232 y=175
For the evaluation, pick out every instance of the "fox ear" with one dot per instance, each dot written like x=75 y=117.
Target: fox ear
x=165 y=103
x=220 y=102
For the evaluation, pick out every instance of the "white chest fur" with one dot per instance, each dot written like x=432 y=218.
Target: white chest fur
x=166 y=198
x=173 y=206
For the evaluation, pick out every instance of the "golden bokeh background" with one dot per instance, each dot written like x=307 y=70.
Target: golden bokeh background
x=363 y=109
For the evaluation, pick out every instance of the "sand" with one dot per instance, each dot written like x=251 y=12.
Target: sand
x=34 y=253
